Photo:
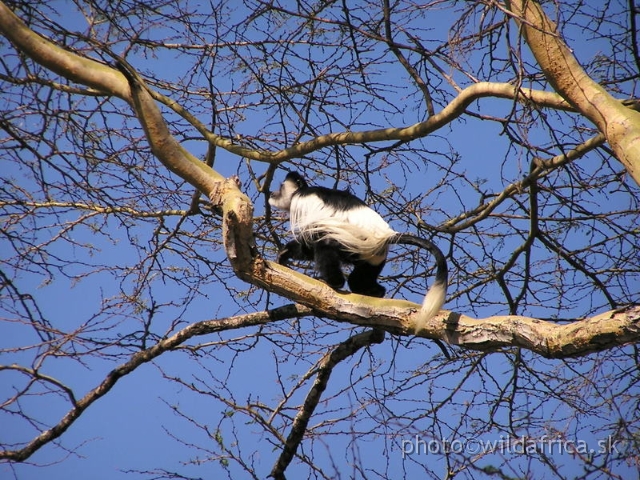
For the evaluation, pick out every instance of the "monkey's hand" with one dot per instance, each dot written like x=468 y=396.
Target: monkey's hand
x=284 y=256
x=295 y=250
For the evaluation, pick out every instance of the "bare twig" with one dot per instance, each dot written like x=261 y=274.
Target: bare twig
x=144 y=356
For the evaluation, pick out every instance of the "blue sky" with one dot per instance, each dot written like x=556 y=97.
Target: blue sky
x=136 y=426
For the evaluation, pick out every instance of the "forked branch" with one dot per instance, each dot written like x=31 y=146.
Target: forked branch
x=619 y=124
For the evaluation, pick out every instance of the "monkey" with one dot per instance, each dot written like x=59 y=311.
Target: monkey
x=334 y=227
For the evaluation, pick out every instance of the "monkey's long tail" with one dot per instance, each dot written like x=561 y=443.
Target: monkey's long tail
x=436 y=295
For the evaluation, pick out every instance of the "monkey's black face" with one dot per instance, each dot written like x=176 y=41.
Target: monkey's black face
x=296 y=178
x=282 y=197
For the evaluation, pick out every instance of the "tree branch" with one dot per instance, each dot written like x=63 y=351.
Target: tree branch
x=343 y=351
x=112 y=82
x=63 y=62
x=395 y=316
x=163 y=145
x=621 y=125
x=196 y=329
x=453 y=110
x=540 y=169
x=546 y=338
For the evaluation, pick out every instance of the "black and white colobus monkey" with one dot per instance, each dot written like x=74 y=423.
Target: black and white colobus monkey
x=332 y=227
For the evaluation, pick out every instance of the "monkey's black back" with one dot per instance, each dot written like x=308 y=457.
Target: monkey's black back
x=340 y=200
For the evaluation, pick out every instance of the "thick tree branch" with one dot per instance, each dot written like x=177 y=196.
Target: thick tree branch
x=620 y=125
x=546 y=338
x=63 y=62
x=67 y=165
x=163 y=145
x=112 y=82
x=453 y=110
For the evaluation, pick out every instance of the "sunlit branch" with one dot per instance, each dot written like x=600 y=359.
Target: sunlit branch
x=63 y=62
x=578 y=337
x=453 y=110
x=111 y=81
x=619 y=124
x=163 y=145
x=93 y=208
x=393 y=316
